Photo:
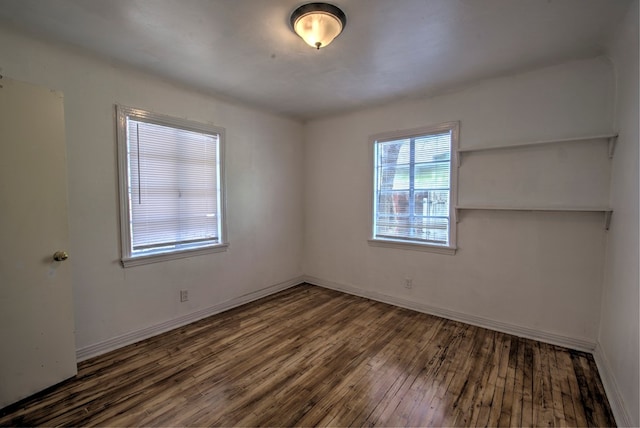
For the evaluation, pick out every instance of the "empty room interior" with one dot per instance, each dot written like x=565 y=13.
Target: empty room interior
x=280 y=213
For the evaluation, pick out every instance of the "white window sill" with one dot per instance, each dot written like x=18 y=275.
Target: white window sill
x=161 y=257
x=414 y=246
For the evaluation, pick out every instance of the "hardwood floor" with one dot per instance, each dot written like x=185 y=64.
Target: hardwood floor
x=311 y=356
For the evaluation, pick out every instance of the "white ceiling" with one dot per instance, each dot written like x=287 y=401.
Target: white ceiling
x=390 y=49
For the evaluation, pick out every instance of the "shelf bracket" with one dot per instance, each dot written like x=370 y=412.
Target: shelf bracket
x=612 y=145
x=607 y=219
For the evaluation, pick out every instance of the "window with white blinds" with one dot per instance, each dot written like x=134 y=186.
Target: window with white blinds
x=414 y=186
x=171 y=186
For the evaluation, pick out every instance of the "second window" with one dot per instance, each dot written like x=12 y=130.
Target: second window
x=414 y=186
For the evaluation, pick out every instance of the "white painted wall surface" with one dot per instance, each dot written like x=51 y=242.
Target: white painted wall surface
x=532 y=270
x=264 y=155
x=620 y=330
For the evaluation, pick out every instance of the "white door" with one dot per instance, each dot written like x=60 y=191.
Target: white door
x=37 y=343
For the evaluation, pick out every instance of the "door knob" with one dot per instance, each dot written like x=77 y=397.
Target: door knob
x=60 y=256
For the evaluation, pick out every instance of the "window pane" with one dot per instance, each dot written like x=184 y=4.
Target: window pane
x=432 y=175
x=435 y=230
x=396 y=178
x=433 y=148
x=392 y=210
x=173 y=187
x=428 y=230
x=432 y=203
x=393 y=153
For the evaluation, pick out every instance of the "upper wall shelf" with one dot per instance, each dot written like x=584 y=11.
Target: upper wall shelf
x=610 y=138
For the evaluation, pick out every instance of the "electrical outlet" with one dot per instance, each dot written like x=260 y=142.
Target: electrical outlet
x=408 y=283
x=184 y=295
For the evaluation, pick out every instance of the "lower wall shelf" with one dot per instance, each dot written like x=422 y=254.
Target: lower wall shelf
x=606 y=210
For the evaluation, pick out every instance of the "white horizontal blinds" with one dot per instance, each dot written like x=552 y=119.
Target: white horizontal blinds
x=413 y=183
x=173 y=187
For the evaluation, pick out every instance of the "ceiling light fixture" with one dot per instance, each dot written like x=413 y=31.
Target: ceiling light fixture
x=318 y=23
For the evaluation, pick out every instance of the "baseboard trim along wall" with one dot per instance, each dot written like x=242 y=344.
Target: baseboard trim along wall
x=145 y=333
x=613 y=394
x=620 y=413
x=138 y=335
x=554 y=339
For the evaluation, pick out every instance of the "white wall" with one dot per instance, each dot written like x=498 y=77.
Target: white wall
x=264 y=155
x=521 y=271
x=619 y=330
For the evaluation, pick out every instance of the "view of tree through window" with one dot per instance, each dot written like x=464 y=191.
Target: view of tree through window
x=413 y=189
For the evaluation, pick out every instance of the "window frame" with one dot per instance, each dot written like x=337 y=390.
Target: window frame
x=128 y=259
x=454 y=127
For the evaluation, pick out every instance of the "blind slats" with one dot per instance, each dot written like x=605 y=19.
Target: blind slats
x=173 y=186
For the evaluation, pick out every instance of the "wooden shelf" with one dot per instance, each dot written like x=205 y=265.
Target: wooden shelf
x=606 y=210
x=610 y=138
x=539 y=208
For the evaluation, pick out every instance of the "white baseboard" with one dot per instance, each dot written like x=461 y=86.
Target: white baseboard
x=529 y=333
x=138 y=335
x=613 y=394
x=620 y=412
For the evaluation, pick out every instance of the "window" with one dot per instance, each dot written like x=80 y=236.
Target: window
x=414 y=189
x=171 y=187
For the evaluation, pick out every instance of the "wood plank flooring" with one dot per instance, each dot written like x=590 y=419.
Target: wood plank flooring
x=309 y=356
